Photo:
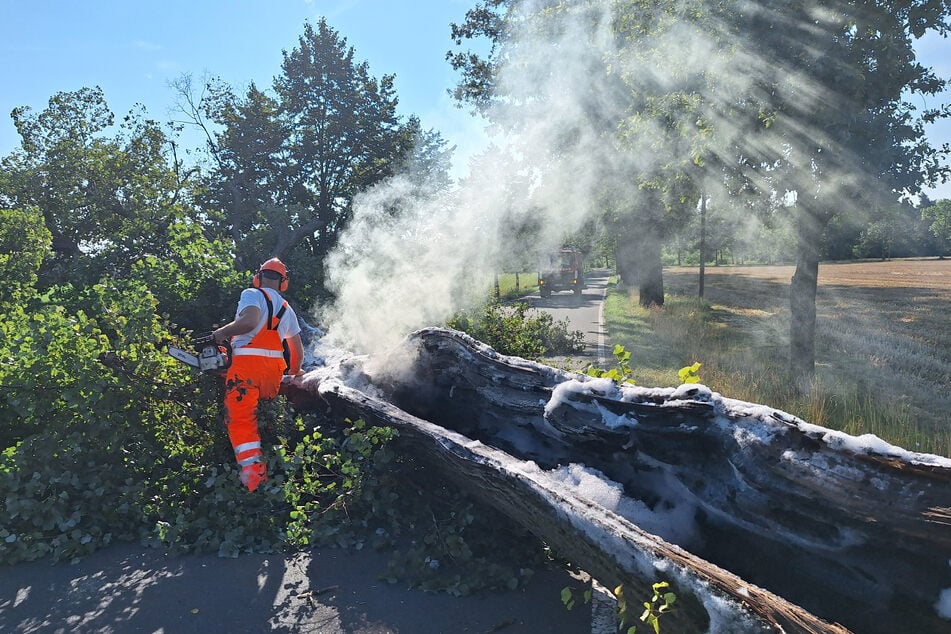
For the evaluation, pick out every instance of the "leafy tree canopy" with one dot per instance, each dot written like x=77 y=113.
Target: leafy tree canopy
x=288 y=162
x=24 y=242
x=939 y=215
x=105 y=200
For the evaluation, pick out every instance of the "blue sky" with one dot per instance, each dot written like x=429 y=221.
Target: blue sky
x=132 y=49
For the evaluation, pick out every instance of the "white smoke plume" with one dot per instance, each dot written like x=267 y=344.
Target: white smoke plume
x=564 y=134
x=410 y=259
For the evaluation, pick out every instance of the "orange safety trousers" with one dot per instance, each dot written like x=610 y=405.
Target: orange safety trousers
x=249 y=380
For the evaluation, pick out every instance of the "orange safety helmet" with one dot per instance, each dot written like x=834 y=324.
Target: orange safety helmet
x=276 y=266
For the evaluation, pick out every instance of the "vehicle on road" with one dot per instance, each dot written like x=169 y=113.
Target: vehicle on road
x=561 y=271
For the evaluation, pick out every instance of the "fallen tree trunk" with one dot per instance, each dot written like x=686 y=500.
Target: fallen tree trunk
x=852 y=530
x=603 y=543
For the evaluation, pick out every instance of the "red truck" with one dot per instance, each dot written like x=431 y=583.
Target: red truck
x=561 y=271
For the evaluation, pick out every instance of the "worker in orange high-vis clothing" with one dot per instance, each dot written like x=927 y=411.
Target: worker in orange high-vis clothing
x=263 y=322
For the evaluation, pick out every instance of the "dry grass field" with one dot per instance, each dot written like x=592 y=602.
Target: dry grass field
x=883 y=346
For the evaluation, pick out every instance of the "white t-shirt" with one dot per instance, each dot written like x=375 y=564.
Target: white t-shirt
x=286 y=328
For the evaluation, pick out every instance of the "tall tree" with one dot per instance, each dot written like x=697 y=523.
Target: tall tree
x=939 y=217
x=246 y=182
x=287 y=164
x=106 y=200
x=837 y=108
x=803 y=103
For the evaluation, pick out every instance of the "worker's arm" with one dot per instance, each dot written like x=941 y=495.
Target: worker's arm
x=246 y=321
x=297 y=355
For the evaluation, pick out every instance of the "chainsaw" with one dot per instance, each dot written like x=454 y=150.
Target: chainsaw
x=212 y=357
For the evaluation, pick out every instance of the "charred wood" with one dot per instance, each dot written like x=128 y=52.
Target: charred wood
x=779 y=513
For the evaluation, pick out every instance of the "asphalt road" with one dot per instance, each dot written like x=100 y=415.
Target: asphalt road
x=585 y=313
x=128 y=588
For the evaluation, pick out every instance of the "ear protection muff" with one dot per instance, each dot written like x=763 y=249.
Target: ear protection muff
x=256 y=282
x=272 y=266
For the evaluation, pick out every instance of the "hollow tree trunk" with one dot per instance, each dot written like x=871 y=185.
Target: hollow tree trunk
x=604 y=544
x=853 y=530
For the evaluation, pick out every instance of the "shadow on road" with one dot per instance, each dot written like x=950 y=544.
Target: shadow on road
x=129 y=588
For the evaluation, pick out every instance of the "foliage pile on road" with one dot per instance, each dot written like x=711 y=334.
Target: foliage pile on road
x=103 y=436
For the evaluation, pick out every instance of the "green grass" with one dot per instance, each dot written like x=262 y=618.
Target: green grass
x=527 y=284
x=871 y=377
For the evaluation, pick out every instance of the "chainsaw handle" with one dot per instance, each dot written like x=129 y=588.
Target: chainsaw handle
x=213 y=356
x=229 y=352
x=204 y=340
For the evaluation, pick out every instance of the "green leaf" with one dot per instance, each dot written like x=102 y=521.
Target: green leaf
x=566 y=594
x=689 y=374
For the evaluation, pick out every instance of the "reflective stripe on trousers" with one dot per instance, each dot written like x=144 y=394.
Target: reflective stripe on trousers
x=248 y=453
x=258 y=352
x=249 y=380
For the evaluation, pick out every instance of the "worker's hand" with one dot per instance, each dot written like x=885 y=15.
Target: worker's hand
x=217 y=334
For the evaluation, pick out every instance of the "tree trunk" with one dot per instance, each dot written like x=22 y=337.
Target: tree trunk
x=703 y=238
x=651 y=287
x=599 y=541
x=802 y=302
x=639 y=262
x=624 y=259
x=852 y=531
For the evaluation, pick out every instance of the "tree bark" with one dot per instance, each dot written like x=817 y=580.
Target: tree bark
x=639 y=263
x=651 y=287
x=854 y=533
x=703 y=240
x=604 y=544
x=802 y=302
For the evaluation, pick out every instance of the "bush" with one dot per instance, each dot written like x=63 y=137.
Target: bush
x=516 y=329
x=95 y=422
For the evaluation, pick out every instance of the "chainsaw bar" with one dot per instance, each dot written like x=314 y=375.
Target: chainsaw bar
x=185 y=357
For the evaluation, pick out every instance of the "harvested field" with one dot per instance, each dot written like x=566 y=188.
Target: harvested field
x=884 y=329
x=930 y=273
